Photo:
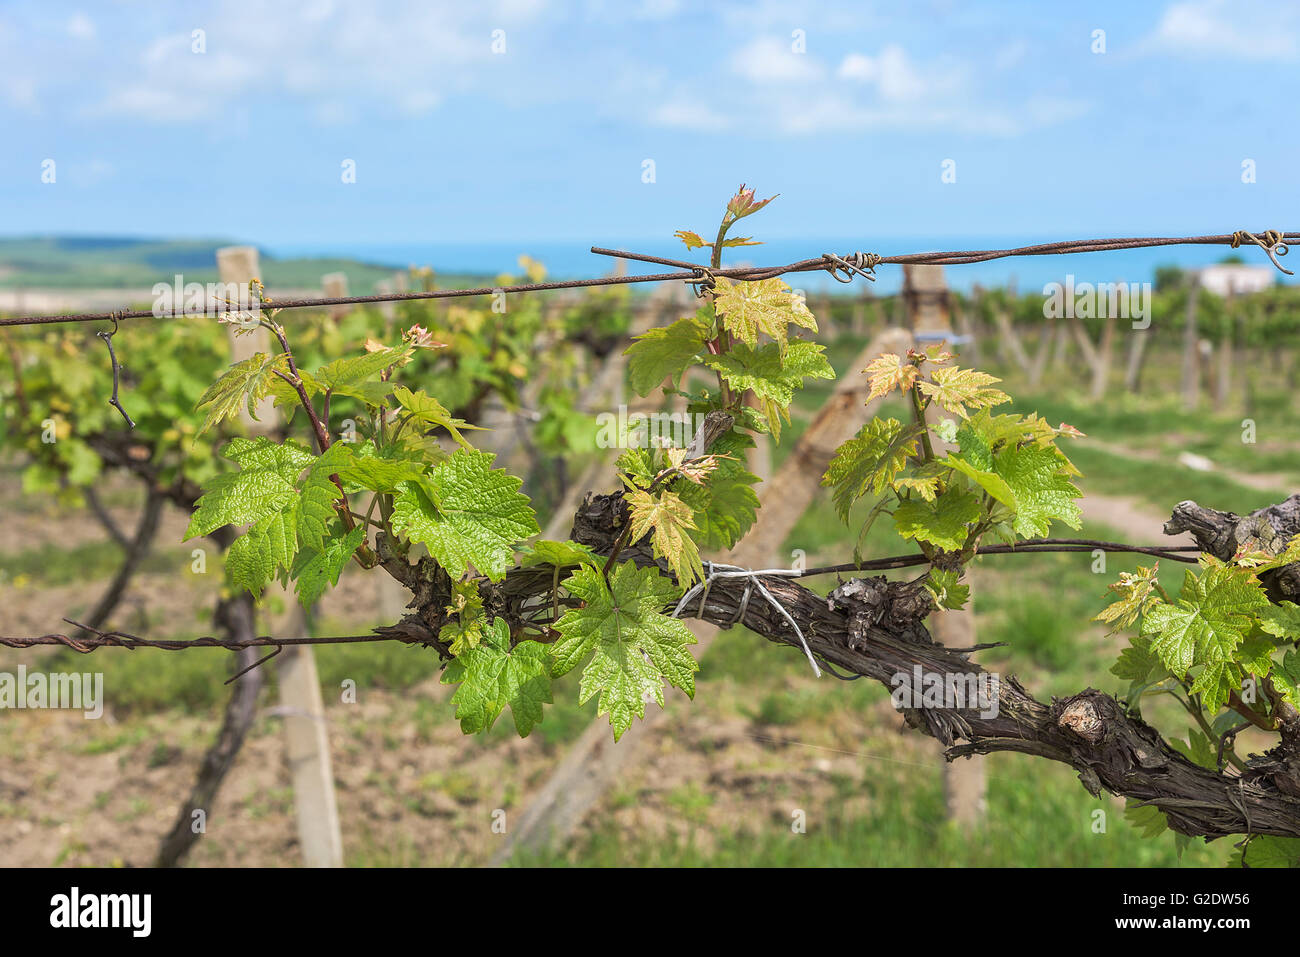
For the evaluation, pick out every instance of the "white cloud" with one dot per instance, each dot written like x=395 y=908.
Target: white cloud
x=20 y=92
x=657 y=9
x=858 y=66
x=1213 y=28
x=770 y=60
x=81 y=26
x=1011 y=55
x=688 y=115
x=418 y=102
x=794 y=95
x=336 y=62
x=891 y=73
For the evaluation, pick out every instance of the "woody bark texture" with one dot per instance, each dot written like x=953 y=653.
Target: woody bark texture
x=875 y=628
x=1222 y=534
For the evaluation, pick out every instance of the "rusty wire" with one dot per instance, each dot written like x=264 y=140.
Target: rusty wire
x=842 y=268
x=120 y=639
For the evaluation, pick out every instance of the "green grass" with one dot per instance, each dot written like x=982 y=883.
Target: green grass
x=1161 y=424
x=105 y=262
x=1040 y=606
x=1164 y=486
x=1037 y=816
x=50 y=565
x=71 y=263
x=146 y=681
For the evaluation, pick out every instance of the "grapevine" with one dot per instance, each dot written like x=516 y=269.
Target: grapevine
x=409 y=494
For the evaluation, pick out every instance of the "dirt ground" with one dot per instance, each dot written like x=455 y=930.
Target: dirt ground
x=103 y=793
x=411 y=788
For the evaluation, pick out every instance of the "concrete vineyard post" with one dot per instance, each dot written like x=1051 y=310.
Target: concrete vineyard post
x=929 y=312
x=306 y=734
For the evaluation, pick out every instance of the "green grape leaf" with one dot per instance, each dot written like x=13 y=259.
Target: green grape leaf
x=1215 y=682
x=361 y=467
x=638 y=464
x=1286 y=677
x=1041 y=492
x=983 y=433
x=943 y=522
x=870 y=461
x=887 y=372
x=1268 y=851
x=1148 y=819
x=961 y=390
x=493 y=675
x=944 y=587
x=924 y=481
x=269 y=544
x=1209 y=620
x=769 y=374
x=465 y=512
x=766 y=306
x=1136 y=591
x=670 y=522
x=245 y=384
x=352 y=376
x=633 y=647
x=560 y=554
x=426 y=411
x=665 y=353
x=266 y=483
x=287 y=396
x=318 y=569
x=1137 y=661
x=1255 y=654
x=988 y=480
x=466 y=631
x=1281 y=620
x=726 y=505
x=1197 y=749
x=316 y=501
x=772 y=377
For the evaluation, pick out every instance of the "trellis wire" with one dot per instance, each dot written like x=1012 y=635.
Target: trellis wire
x=843 y=268
x=120 y=639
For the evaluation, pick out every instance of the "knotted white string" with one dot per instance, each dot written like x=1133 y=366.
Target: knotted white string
x=714 y=571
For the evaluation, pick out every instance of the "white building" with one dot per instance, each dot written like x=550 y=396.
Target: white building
x=1226 y=278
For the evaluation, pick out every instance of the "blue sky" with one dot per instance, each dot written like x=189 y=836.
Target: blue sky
x=848 y=110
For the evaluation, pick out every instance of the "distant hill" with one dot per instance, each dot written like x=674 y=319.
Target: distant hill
x=109 y=262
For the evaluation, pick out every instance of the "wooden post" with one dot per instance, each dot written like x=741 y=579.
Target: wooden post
x=1191 y=360
x=1136 y=356
x=1009 y=344
x=1096 y=356
x=386 y=309
x=1043 y=353
x=825 y=313
x=929 y=311
x=306 y=735
x=594 y=762
x=1223 y=381
x=968 y=327
x=858 y=324
x=335 y=285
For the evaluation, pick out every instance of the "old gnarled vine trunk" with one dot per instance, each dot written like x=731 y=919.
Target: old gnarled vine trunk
x=876 y=628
